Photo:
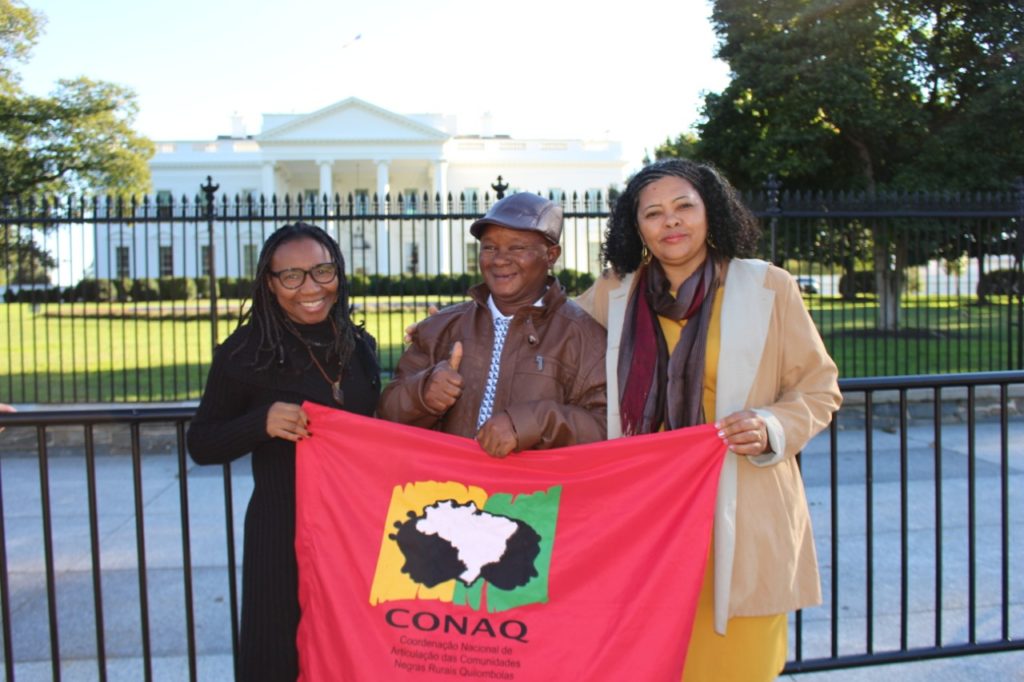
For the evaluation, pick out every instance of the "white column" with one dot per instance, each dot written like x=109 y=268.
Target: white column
x=443 y=253
x=383 y=186
x=441 y=184
x=326 y=181
x=268 y=184
x=383 y=244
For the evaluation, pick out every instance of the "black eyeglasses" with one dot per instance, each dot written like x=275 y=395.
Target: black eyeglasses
x=293 y=278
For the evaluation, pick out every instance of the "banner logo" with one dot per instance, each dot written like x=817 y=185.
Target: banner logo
x=455 y=543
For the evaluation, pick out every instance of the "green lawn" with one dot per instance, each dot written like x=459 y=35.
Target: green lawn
x=936 y=335
x=66 y=353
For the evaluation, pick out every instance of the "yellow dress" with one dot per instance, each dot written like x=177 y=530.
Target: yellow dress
x=754 y=648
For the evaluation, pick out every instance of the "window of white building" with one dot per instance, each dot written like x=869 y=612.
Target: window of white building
x=164 y=199
x=413 y=265
x=362 y=199
x=250 y=256
x=410 y=202
x=123 y=261
x=310 y=199
x=594 y=256
x=204 y=259
x=248 y=201
x=359 y=240
x=471 y=200
x=473 y=258
x=166 y=260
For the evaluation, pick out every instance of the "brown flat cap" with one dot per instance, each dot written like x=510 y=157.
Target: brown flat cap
x=523 y=211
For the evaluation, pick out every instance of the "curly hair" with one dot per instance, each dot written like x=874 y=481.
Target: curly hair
x=733 y=231
x=269 y=322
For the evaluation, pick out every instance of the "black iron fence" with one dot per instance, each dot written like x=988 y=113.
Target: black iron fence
x=118 y=556
x=914 y=495
x=123 y=301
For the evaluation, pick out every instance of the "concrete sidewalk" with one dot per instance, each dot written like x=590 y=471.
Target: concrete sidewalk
x=954 y=547
x=1003 y=667
x=160 y=500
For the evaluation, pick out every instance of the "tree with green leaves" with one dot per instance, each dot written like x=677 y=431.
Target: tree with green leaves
x=26 y=262
x=878 y=95
x=683 y=147
x=78 y=138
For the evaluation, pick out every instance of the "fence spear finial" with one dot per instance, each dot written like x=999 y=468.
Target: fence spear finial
x=499 y=188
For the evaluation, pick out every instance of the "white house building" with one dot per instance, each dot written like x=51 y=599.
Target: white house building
x=355 y=149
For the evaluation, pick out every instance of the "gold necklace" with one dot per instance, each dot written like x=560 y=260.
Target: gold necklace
x=336 y=392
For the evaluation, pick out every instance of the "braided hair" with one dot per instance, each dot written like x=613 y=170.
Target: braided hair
x=733 y=230
x=269 y=322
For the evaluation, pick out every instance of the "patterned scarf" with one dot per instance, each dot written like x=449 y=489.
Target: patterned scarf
x=657 y=390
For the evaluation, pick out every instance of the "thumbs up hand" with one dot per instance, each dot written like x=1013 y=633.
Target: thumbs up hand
x=455 y=358
x=445 y=383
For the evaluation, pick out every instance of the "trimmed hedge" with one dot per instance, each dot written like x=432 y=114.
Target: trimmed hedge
x=234 y=287
x=202 y=286
x=177 y=288
x=575 y=283
x=186 y=288
x=1004 y=282
x=91 y=290
x=96 y=291
x=862 y=282
x=415 y=285
x=446 y=285
x=34 y=295
x=145 y=289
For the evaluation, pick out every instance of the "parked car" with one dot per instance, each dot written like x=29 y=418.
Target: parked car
x=808 y=284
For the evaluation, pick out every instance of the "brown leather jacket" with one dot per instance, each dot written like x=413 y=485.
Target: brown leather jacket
x=552 y=380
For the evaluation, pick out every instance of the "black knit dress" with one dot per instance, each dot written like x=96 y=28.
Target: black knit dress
x=230 y=422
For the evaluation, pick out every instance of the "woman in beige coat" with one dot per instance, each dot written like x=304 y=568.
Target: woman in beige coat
x=697 y=334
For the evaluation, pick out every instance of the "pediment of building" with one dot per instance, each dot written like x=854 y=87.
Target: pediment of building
x=350 y=120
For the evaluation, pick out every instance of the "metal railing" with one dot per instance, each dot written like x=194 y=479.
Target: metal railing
x=166 y=281
x=118 y=554
x=912 y=510
x=124 y=475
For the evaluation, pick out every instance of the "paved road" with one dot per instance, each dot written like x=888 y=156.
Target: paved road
x=160 y=500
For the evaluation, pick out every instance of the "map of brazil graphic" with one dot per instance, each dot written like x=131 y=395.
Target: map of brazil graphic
x=449 y=542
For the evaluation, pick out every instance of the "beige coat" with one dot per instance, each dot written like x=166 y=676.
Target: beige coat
x=773 y=361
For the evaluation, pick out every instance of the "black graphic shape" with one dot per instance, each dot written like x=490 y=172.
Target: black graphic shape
x=515 y=568
x=431 y=560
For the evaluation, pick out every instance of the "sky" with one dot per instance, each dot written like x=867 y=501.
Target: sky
x=635 y=71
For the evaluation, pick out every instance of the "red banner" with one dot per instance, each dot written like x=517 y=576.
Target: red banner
x=421 y=557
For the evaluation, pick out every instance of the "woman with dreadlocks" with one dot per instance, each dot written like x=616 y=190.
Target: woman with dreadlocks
x=295 y=343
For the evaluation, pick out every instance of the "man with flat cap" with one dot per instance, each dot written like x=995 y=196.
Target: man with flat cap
x=519 y=366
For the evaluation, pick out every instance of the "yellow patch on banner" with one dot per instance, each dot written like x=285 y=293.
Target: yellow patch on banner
x=389 y=582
